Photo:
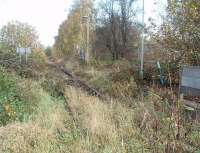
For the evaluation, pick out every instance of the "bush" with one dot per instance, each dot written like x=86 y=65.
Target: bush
x=10 y=103
x=38 y=57
x=124 y=89
x=121 y=65
x=123 y=82
x=18 y=98
x=54 y=87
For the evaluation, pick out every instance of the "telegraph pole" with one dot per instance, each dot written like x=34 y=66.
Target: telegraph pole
x=142 y=45
x=88 y=34
x=85 y=17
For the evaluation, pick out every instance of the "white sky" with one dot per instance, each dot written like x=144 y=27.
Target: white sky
x=46 y=15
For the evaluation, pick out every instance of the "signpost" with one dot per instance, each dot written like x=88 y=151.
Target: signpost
x=23 y=52
x=190 y=85
x=190 y=81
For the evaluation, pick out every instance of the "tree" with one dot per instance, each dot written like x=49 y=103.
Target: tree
x=109 y=18
x=179 y=34
x=73 y=31
x=126 y=14
x=69 y=34
x=16 y=34
x=112 y=27
x=116 y=20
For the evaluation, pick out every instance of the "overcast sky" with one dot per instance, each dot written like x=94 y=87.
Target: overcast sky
x=46 y=15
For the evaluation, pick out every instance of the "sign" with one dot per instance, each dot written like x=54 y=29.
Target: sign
x=190 y=81
x=23 y=52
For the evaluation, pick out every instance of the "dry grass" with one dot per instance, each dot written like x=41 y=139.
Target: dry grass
x=116 y=79
x=114 y=127
x=92 y=114
x=23 y=138
x=109 y=127
x=94 y=127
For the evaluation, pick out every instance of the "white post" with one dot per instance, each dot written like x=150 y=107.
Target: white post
x=26 y=52
x=142 y=45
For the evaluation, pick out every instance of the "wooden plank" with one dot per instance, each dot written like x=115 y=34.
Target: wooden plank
x=192 y=104
x=188 y=91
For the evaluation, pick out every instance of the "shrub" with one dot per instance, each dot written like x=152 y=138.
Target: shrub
x=54 y=87
x=124 y=89
x=121 y=65
x=11 y=107
x=29 y=93
x=123 y=82
x=18 y=98
x=38 y=57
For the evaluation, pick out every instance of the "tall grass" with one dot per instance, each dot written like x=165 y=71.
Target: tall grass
x=158 y=118
x=104 y=127
x=75 y=122
x=96 y=126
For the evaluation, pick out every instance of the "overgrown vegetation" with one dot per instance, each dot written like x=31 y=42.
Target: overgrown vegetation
x=39 y=113
x=18 y=100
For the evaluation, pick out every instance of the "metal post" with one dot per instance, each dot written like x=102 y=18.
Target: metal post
x=88 y=38
x=142 y=46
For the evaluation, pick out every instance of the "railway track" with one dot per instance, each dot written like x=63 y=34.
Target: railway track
x=74 y=81
x=71 y=80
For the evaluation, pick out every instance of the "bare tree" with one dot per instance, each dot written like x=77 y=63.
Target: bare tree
x=110 y=21
x=116 y=20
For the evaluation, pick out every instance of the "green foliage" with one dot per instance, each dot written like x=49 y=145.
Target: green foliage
x=18 y=98
x=10 y=104
x=72 y=33
x=69 y=34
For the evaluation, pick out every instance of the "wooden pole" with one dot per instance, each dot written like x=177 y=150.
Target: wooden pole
x=88 y=32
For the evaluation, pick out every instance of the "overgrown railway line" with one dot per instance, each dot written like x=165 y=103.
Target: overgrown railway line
x=74 y=81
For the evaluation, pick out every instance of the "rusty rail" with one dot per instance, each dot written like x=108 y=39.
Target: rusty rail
x=78 y=83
